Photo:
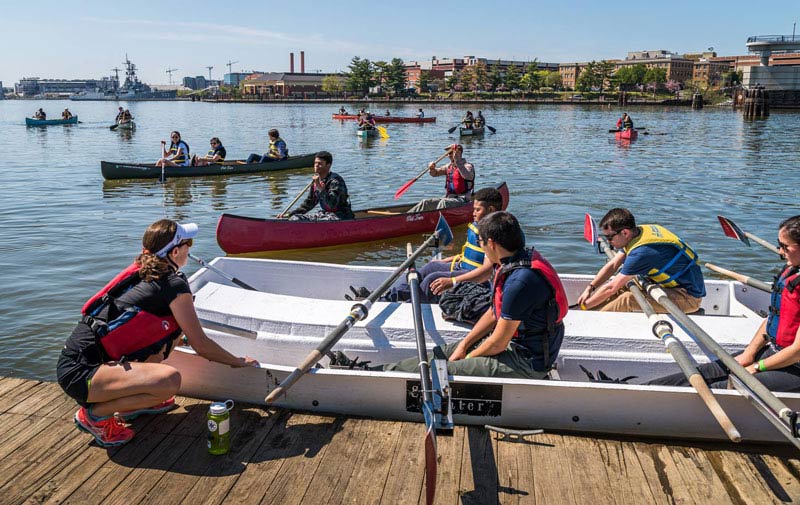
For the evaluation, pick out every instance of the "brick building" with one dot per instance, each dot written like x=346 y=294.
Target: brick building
x=284 y=84
x=442 y=68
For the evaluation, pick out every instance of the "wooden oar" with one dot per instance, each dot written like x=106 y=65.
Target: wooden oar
x=731 y=230
x=301 y=193
x=744 y=279
x=407 y=185
x=382 y=131
x=663 y=330
x=358 y=312
x=219 y=272
x=765 y=402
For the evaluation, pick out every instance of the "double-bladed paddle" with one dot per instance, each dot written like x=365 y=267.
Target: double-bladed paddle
x=358 y=312
x=733 y=231
x=219 y=272
x=407 y=185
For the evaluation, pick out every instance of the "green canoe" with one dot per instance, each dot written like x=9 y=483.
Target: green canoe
x=112 y=170
x=29 y=121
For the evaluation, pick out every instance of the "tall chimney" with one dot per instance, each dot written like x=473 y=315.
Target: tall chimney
x=291 y=63
x=302 y=62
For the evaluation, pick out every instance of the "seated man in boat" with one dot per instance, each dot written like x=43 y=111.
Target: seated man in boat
x=329 y=190
x=773 y=354
x=120 y=115
x=469 y=266
x=459 y=182
x=40 y=114
x=215 y=155
x=66 y=114
x=178 y=153
x=277 y=150
x=420 y=114
x=479 y=120
x=520 y=335
x=342 y=111
x=625 y=122
x=650 y=250
x=468 y=120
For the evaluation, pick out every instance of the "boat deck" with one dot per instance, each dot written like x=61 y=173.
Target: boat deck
x=284 y=457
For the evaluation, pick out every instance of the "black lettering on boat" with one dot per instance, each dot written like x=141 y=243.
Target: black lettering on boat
x=468 y=399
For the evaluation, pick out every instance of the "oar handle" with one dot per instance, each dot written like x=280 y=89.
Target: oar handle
x=763 y=243
x=301 y=193
x=744 y=279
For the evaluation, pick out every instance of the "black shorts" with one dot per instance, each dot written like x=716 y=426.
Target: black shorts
x=74 y=377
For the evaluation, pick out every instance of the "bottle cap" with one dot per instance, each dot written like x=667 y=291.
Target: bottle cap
x=218 y=408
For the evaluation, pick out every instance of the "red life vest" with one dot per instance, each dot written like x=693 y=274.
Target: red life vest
x=131 y=333
x=558 y=305
x=455 y=184
x=784 y=316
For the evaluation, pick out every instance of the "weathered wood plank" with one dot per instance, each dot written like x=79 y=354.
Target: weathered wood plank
x=739 y=478
x=699 y=476
x=589 y=476
x=368 y=481
x=20 y=393
x=448 y=475
x=515 y=485
x=661 y=473
x=407 y=469
x=787 y=477
x=478 y=470
x=626 y=479
x=8 y=385
x=551 y=479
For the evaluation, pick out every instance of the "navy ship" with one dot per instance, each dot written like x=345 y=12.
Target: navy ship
x=131 y=89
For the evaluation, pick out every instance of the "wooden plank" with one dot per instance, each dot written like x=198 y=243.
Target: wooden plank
x=626 y=479
x=515 y=484
x=739 y=478
x=338 y=463
x=368 y=480
x=40 y=402
x=661 y=473
x=786 y=475
x=448 y=475
x=478 y=470
x=8 y=385
x=407 y=469
x=589 y=477
x=20 y=393
x=27 y=430
x=699 y=476
x=550 y=475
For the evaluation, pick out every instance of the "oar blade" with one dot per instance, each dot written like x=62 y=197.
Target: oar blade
x=590 y=232
x=443 y=231
x=451 y=130
x=731 y=230
x=491 y=129
x=382 y=132
x=431 y=458
x=404 y=188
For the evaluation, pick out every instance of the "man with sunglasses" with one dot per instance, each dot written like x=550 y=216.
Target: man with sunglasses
x=773 y=354
x=649 y=250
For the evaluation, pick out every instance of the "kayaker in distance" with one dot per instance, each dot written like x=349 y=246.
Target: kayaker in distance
x=277 y=150
x=625 y=122
x=388 y=113
x=66 y=114
x=420 y=114
x=459 y=182
x=39 y=114
x=116 y=374
x=342 y=111
x=178 y=153
x=120 y=115
x=773 y=354
x=479 y=120
x=650 y=250
x=216 y=154
x=520 y=335
x=468 y=120
x=329 y=190
x=437 y=276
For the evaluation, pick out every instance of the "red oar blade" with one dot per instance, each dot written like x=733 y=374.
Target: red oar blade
x=404 y=188
x=431 y=465
x=731 y=230
x=590 y=231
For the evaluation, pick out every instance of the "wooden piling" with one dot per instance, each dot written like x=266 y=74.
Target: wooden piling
x=697 y=101
x=756 y=103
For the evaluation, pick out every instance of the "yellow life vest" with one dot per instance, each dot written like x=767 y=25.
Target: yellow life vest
x=471 y=256
x=651 y=234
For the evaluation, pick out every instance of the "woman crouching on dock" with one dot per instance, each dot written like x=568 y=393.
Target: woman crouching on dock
x=111 y=363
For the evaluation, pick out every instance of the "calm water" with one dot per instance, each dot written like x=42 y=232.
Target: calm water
x=65 y=232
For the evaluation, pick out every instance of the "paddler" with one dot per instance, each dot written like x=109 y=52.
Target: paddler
x=468 y=120
x=520 y=335
x=625 y=122
x=459 y=182
x=277 y=150
x=773 y=355
x=329 y=190
x=178 y=153
x=111 y=363
x=650 y=250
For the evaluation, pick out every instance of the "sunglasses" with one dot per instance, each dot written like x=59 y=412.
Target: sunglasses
x=610 y=237
x=188 y=242
x=783 y=246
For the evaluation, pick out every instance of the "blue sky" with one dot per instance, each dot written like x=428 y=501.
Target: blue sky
x=71 y=39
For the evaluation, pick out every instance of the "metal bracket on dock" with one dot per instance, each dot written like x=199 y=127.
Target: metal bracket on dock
x=512 y=435
x=442 y=397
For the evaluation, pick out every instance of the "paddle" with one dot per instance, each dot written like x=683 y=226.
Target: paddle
x=744 y=279
x=358 y=312
x=219 y=272
x=451 y=130
x=284 y=211
x=663 y=330
x=407 y=185
x=637 y=128
x=114 y=126
x=382 y=131
x=731 y=230
x=491 y=129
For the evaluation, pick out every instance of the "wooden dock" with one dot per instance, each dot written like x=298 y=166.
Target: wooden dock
x=283 y=457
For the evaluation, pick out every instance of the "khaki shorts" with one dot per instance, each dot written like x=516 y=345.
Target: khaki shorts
x=625 y=302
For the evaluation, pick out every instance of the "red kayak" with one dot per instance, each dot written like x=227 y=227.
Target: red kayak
x=250 y=235
x=627 y=135
x=390 y=119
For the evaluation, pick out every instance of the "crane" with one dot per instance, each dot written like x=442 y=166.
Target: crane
x=230 y=64
x=169 y=71
x=209 y=71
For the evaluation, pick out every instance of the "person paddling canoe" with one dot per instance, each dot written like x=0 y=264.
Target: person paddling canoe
x=329 y=190
x=773 y=355
x=111 y=363
x=625 y=122
x=650 y=250
x=277 y=150
x=178 y=153
x=468 y=120
x=459 y=181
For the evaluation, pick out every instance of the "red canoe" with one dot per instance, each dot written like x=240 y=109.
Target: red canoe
x=251 y=235
x=627 y=135
x=390 y=119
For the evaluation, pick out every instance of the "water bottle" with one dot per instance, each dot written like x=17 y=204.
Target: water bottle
x=219 y=427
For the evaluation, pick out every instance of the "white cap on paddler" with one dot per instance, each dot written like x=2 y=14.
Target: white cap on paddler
x=183 y=232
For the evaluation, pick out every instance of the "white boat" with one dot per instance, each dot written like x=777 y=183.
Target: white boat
x=298 y=303
x=128 y=125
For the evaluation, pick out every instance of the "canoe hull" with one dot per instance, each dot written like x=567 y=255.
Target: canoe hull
x=388 y=119
x=130 y=125
x=367 y=134
x=48 y=122
x=113 y=170
x=246 y=235
x=470 y=132
x=627 y=135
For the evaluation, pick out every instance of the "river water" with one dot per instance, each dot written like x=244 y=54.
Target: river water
x=65 y=232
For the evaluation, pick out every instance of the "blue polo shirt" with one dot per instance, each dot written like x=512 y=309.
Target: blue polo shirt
x=647 y=257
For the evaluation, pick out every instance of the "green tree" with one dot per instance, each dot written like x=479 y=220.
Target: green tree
x=452 y=81
x=603 y=71
x=655 y=76
x=467 y=78
x=512 y=77
x=424 y=81
x=588 y=78
x=527 y=82
x=361 y=76
x=396 y=75
x=495 y=76
x=553 y=80
x=480 y=76
x=381 y=69
x=332 y=84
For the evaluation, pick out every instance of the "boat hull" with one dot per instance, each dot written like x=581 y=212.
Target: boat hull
x=29 y=121
x=388 y=119
x=246 y=235
x=113 y=170
x=367 y=134
x=627 y=135
x=470 y=132
x=130 y=125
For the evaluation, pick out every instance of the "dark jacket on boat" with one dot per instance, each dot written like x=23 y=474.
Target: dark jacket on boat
x=332 y=197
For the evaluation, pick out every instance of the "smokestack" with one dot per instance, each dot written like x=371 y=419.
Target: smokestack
x=291 y=63
x=302 y=62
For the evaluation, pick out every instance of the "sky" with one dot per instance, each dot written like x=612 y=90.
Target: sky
x=85 y=39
